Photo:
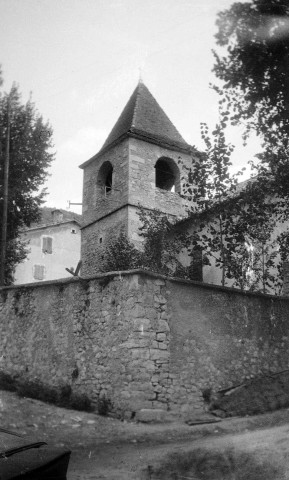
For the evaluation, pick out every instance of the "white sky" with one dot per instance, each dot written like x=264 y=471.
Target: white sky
x=82 y=58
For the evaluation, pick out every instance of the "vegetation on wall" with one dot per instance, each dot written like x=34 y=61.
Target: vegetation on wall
x=159 y=252
x=162 y=244
x=120 y=254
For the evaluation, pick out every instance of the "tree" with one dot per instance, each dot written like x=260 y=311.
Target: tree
x=253 y=68
x=30 y=157
x=229 y=218
x=254 y=72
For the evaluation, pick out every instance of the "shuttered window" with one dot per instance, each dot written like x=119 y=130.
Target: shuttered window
x=47 y=244
x=38 y=272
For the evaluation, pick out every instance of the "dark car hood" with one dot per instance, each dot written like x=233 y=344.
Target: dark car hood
x=11 y=443
x=21 y=457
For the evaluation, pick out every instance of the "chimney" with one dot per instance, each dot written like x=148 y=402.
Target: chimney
x=57 y=216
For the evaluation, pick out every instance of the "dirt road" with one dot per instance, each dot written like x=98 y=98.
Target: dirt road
x=106 y=448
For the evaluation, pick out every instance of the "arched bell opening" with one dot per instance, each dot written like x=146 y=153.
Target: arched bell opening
x=105 y=178
x=167 y=175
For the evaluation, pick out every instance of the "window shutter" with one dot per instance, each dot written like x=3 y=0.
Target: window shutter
x=47 y=244
x=38 y=272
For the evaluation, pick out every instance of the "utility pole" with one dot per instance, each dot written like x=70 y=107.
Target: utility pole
x=5 y=199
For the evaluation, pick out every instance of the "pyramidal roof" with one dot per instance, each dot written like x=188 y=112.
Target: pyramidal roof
x=143 y=118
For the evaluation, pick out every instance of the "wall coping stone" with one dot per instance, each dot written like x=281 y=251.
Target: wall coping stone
x=149 y=273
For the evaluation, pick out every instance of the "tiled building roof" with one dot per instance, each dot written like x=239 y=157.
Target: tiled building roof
x=48 y=217
x=142 y=117
x=142 y=114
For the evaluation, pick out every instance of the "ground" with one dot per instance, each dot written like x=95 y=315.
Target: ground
x=250 y=448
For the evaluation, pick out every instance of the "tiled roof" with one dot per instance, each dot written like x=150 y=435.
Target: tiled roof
x=142 y=114
x=144 y=118
x=47 y=216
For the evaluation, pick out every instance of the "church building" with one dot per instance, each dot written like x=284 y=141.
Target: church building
x=139 y=164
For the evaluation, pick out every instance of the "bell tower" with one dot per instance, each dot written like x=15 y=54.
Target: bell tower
x=139 y=164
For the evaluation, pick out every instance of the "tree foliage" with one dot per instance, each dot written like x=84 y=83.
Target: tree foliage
x=158 y=251
x=233 y=223
x=162 y=243
x=120 y=254
x=30 y=157
x=252 y=65
x=254 y=69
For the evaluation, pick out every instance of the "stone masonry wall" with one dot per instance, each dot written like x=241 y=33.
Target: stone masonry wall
x=94 y=239
x=95 y=203
x=133 y=184
x=142 y=190
x=140 y=340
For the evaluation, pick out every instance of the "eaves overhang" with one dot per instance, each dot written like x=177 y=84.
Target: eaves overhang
x=141 y=135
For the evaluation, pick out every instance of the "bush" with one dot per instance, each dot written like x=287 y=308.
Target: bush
x=206 y=464
x=104 y=406
x=120 y=254
x=62 y=396
x=7 y=382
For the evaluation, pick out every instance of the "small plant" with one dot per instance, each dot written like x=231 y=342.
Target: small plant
x=104 y=405
x=80 y=402
x=207 y=394
x=7 y=382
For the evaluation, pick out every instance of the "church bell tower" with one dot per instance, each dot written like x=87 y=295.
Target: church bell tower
x=139 y=164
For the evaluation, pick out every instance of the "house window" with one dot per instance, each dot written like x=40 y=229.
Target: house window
x=104 y=180
x=38 y=272
x=73 y=231
x=167 y=175
x=47 y=245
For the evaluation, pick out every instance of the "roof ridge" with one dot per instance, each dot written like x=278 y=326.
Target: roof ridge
x=135 y=105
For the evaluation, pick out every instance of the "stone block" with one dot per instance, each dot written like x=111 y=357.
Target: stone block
x=146 y=415
x=161 y=337
x=140 y=353
x=137 y=311
x=162 y=326
x=158 y=389
x=141 y=324
x=138 y=386
x=159 y=354
x=160 y=299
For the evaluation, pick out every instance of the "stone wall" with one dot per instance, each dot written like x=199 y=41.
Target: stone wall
x=95 y=203
x=143 y=157
x=140 y=340
x=95 y=237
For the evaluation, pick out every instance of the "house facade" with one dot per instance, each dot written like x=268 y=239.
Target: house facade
x=53 y=245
